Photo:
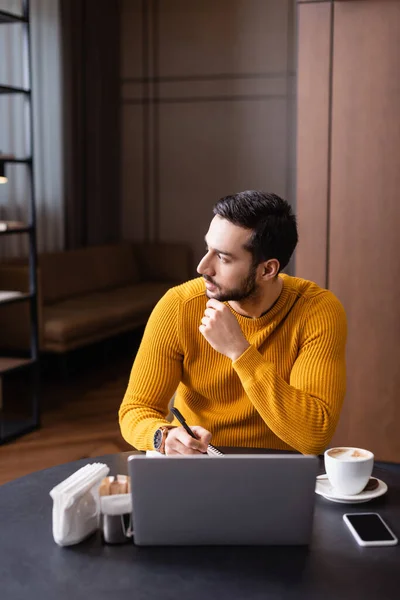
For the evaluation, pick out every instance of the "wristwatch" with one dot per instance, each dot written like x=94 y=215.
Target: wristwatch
x=159 y=439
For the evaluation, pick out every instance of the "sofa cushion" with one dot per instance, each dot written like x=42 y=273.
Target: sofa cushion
x=99 y=313
x=68 y=274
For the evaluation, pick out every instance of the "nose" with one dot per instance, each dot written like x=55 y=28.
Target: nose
x=205 y=266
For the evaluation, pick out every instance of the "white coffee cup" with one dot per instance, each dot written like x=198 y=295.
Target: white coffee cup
x=348 y=469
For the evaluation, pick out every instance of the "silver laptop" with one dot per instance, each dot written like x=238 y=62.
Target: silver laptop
x=236 y=499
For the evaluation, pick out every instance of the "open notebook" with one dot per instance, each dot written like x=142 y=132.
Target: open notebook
x=211 y=451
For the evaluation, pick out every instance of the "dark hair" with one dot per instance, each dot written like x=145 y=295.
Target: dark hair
x=270 y=217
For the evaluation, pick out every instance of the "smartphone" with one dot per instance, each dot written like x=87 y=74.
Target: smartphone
x=369 y=529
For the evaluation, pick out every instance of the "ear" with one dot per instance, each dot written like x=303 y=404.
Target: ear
x=270 y=269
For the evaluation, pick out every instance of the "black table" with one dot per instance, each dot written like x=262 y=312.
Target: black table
x=332 y=567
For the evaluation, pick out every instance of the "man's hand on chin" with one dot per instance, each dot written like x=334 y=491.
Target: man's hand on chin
x=222 y=331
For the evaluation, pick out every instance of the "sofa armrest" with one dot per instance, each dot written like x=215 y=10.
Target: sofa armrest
x=15 y=326
x=163 y=261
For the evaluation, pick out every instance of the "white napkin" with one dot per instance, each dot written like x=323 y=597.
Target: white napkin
x=76 y=506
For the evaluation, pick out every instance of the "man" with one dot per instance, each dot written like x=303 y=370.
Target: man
x=257 y=358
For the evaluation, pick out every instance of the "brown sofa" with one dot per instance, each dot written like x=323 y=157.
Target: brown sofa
x=90 y=294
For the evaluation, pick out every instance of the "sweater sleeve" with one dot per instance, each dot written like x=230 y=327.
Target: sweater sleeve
x=155 y=375
x=304 y=412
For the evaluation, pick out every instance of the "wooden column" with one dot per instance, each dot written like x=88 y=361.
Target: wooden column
x=314 y=26
x=362 y=242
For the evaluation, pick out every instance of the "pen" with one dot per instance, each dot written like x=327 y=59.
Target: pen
x=211 y=450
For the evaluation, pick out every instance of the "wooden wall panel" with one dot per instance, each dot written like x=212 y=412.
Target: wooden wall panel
x=313 y=139
x=215 y=117
x=365 y=218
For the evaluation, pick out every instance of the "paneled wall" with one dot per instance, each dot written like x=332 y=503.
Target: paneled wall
x=348 y=198
x=207 y=98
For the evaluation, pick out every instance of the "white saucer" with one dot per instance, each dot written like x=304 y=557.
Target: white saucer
x=324 y=488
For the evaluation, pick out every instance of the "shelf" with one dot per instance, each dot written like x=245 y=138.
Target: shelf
x=12 y=230
x=7 y=17
x=21 y=369
x=9 y=89
x=4 y=159
x=15 y=299
x=12 y=364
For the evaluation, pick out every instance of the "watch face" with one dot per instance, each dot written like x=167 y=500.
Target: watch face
x=157 y=439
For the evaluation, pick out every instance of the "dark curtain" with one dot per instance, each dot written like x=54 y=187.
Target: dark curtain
x=91 y=96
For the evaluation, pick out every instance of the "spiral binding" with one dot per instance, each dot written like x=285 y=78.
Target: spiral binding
x=213 y=451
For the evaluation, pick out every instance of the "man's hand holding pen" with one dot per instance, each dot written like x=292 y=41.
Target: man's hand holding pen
x=189 y=440
x=178 y=441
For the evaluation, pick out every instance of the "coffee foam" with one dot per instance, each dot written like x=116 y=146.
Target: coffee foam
x=352 y=454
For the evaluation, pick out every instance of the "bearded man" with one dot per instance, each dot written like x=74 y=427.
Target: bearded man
x=256 y=357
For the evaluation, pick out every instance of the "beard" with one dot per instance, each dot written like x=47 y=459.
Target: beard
x=246 y=290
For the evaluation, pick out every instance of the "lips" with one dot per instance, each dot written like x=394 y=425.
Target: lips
x=210 y=286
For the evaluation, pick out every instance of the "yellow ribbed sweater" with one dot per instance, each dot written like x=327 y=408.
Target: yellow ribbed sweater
x=284 y=392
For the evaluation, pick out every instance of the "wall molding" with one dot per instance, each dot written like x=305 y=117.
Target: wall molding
x=208 y=77
x=315 y=1
x=200 y=99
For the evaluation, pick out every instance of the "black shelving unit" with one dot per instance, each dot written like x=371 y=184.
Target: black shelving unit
x=17 y=415
x=7 y=17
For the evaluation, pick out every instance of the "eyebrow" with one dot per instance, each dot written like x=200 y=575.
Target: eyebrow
x=219 y=251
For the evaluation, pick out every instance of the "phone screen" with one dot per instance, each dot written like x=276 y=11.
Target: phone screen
x=370 y=528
